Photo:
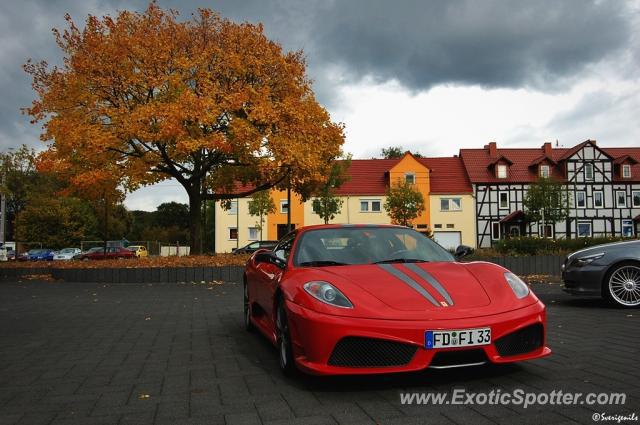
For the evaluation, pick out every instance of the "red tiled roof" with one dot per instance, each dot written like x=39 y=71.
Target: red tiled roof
x=367 y=177
x=516 y=215
x=477 y=161
x=447 y=175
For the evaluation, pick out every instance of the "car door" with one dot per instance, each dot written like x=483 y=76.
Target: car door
x=268 y=275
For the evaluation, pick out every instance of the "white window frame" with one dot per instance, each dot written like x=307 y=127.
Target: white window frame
x=635 y=193
x=501 y=171
x=233 y=207
x=601 y=198
x=589 y=166
x=257 y=235
x=229 y=233
x=618 y=203
x=578 y=229
x=545 y=171
x=284 y=206
x=506 y=192
x=495 y=223
x=411 y=175
x=451 y=204
x=584 y=199
x=626 y=171
x=628 y=224
x=369 y=202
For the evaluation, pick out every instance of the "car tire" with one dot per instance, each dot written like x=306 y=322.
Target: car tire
x=621 y=285
x=248 y=325
x=283 y=340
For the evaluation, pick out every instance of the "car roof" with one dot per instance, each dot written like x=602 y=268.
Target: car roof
x=340 y=226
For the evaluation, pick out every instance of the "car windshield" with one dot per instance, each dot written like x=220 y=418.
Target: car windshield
x=366 y=245
x=66 y=251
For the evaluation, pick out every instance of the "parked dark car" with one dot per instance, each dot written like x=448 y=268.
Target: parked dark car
x=254 y=246
x=41 y=255
x=112 y=253
x=11 y=255
x=611 y=271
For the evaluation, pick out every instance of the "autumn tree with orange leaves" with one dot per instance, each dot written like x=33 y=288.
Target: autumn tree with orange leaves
x=145 y=97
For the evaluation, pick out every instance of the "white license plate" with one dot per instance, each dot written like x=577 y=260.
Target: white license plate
x=457 y=338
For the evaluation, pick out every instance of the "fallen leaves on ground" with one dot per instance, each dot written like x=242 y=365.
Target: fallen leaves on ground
x=218 y=260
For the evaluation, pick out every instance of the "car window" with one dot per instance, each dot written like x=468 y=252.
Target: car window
x=283 y=248
x=254 y=245
x=366 y=245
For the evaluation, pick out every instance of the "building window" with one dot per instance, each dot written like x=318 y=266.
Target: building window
x=254 y=234
x=546 y=231
x=621 y=199
x=581 y=199
x=284 y=206
x=544 y=171
x=233 y=208
x=503 y=200
x=495 y=230
x=437 y=226
x=501 y=171
x=626 y=171
x=636 y=198
x=410 y=178
x=598 y=199
x=233 y=233
x=588 y=171
x=584 y=230
x=627 y=228
x=450 y=226
x=370 y=205
x=450 y=204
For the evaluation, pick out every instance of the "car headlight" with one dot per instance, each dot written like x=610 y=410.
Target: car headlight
x=583 y=261
x=327 y=293
x=519 y=288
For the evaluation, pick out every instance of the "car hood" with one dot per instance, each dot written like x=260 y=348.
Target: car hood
x=421 y=290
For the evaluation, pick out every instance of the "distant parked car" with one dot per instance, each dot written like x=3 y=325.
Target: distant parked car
x=254 y=246
x=11 y=255
x=41 y=255
x=112 y=253
x=66 y=254
x=94 y=249
x=611 y=271
x=139 y=250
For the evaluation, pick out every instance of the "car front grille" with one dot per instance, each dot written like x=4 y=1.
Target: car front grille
x=522 y=341
x=371 y=352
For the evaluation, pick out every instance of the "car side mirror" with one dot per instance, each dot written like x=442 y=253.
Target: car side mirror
x=270 y=257
x=462 y=251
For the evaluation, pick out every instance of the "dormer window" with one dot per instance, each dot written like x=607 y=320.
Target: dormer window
x=626 y=171
x=544 y=171
x=410 y=178
x=501 y=171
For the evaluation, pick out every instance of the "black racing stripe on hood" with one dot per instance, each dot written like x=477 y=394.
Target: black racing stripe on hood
x=431 y=280
x=409 y=281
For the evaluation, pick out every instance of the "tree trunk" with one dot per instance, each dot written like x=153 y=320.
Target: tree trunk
x=195 y=220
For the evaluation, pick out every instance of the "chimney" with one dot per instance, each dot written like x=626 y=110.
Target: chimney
x=493 y=151
x=547 y=149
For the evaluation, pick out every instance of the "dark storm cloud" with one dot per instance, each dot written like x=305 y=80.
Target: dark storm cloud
x=420 y=43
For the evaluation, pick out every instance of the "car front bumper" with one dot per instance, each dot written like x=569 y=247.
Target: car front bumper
x=315 y=336
x=586 y=280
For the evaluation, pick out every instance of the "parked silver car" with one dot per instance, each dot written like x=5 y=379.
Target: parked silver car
x=66 y=254
x=610 y=270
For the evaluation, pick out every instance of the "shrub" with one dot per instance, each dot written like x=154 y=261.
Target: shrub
x=539 y=246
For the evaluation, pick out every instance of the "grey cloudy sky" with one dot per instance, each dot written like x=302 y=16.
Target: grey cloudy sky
x=433 y=76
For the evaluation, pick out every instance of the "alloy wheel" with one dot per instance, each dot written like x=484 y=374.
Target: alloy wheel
x=624 y=285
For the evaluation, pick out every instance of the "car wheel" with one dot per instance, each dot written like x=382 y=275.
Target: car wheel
x=247 y=310
x=623 y=285
x=285 y=353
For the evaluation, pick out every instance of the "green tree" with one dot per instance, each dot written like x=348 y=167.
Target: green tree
x=260 y=205
x=172 y=214
x=392 y=152
x=546 y=199
x=326 y=204
x=56 y=222
x=404 y=203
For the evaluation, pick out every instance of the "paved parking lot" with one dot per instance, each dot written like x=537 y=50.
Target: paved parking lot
x=75 y=353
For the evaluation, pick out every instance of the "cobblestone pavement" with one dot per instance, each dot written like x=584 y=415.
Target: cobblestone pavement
x=177 y=354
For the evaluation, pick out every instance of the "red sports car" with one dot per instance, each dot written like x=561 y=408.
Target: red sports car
x=361 y=299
